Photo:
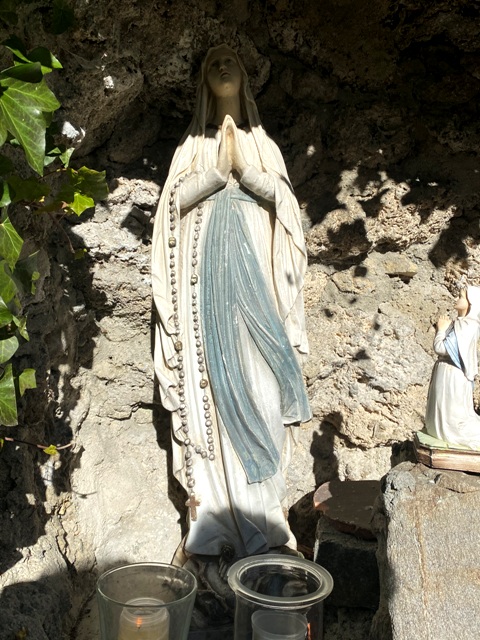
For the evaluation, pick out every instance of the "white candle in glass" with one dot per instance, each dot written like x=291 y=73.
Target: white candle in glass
x=278 y=625
x=143 y=619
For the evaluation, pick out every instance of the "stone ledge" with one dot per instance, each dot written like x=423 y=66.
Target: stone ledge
x=426 y=524
x=348 y=505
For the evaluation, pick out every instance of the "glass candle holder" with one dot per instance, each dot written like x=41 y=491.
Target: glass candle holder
x=279 y=597
x=271 y=625
x=146 y=601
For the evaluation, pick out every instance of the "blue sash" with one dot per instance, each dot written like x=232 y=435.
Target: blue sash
x=233 y=286
x=451 y=345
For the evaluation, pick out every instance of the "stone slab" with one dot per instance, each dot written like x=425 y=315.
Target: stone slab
x=348 y=505
x=427 y=528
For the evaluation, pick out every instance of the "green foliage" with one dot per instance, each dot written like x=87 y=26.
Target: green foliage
x=83 y=188
x=62 y=18
x=26 y=380
x=27 y=106
x=51 y=450
x=8 y=399
x=10 y=243
x=15 y=276
x=28 y=190
x=26 y=102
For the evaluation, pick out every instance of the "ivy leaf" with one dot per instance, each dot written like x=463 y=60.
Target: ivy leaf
x=51 y=450
x=21 y=324
x=80 y=204
x=5 y=198
x=63 y=17
x=8 y=290
x=62 y=153
x=6 y=315
x=24 y=111
x=10 y=243
x=3 y=130
x=26 y=274
x=2 y=442
x=66 y=155
x=80 y=253
x=45 y=58
x=92 y=183
x=17 y=47
x=7 y=348
x=83 y=189
x=26 y=380
x=30 y=190
x=27 y=72
x=8 y=400
x=54 y=205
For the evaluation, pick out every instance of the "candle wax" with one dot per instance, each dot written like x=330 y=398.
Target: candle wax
x=144 y=619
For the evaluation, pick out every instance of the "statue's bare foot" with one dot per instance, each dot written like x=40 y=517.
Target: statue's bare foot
x=225 y=561
x=215 y=601
x=287 y=551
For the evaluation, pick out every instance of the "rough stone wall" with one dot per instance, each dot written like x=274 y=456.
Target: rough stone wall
x=375 y=107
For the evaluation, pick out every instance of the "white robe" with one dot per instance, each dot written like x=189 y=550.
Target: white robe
x=450 y=414
x=249 y=516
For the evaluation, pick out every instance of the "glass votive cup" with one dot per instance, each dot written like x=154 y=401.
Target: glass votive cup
x=290 y=589
x=146 y=601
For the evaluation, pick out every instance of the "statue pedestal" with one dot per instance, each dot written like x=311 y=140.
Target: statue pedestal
x=426 y=523
x=440 y=455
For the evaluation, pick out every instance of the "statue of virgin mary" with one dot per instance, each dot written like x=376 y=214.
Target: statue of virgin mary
x=228 y=269
x=450 y=414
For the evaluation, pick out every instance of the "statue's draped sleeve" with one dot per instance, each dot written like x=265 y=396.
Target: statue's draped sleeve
x=289 y=256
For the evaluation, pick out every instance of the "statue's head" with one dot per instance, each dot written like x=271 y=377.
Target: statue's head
x=212 y=85
x=473 y=297
x=223 y=74
x=462 y=305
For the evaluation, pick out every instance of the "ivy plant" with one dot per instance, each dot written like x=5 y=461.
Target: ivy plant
x=27 y=106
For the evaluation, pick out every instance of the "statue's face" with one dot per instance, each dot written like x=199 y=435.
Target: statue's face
x=224 y=75
x=462 y=304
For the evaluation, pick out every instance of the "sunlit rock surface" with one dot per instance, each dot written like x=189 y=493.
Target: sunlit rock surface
x=375 y=108
x=428 y=544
